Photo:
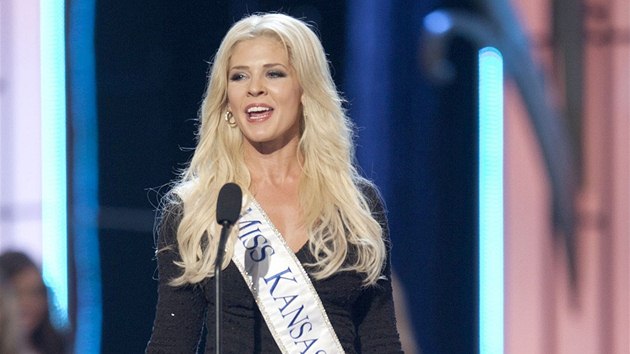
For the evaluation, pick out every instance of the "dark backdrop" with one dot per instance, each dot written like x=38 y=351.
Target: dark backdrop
x=416 y=140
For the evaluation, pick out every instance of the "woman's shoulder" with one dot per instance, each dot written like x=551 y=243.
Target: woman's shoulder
x=371 y=193
x=168 y=217
x=171 y=206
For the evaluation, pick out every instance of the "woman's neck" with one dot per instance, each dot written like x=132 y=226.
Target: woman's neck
x=276 y=168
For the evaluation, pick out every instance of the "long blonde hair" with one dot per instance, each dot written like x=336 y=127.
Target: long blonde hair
x=336 y=213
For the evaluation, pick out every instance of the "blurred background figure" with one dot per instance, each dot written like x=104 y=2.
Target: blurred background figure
x=9 y=331
x=30 y=303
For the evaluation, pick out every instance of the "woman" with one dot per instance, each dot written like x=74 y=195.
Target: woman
x=10 y=336
x=272 y=122
x=31 y=293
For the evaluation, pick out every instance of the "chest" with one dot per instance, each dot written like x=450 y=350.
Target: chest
x=338 y=293
x=282 y=207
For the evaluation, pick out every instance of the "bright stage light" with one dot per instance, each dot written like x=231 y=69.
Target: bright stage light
x=491 y=290
x=54 y=164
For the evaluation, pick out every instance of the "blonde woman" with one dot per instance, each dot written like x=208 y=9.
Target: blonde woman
x=306 y=267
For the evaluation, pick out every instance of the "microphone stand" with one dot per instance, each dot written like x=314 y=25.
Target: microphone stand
x=228 y=209
x=225 y=230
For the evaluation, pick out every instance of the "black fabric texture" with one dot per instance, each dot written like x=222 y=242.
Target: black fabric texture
x=362 y=317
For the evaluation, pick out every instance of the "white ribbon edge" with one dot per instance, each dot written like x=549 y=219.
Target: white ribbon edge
x=287 y=254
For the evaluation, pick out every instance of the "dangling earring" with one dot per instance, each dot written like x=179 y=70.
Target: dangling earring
x=229 y=118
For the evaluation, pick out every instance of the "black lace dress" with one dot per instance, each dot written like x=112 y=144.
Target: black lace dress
x=362 y=317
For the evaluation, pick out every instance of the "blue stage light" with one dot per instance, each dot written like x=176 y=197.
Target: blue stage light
x=438 y=22
x=53 y=144
x=491 y=290
x=85 y=176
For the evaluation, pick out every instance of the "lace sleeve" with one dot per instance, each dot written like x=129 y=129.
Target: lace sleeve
x=377 y=332
x=180 y=311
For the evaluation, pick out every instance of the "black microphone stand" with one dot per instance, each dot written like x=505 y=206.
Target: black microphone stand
x=228 y=209
x=225 y=230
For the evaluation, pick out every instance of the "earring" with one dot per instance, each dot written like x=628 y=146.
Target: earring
x=229 y=118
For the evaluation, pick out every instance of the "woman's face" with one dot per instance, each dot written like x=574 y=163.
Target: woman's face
x=31 y=295
x=264 y=94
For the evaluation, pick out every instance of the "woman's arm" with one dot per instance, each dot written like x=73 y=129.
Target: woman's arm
x=374 y=311
x=180 y=310
x=377 y=331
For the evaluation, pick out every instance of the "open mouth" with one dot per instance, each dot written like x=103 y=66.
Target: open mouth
x=258 y=113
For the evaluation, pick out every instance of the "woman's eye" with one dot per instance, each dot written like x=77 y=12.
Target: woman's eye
x=275 y=74
x=237 y=77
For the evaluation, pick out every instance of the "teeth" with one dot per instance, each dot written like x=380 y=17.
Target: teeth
x=258 y=109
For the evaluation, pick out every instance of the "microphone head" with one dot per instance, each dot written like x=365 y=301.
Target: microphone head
x=229 y=204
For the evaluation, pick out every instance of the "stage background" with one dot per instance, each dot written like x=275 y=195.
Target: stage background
x=143 y=72
x=416 y=142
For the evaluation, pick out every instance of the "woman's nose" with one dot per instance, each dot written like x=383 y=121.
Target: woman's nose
x=256 y=88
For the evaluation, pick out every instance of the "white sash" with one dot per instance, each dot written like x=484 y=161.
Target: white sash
x=282 y=289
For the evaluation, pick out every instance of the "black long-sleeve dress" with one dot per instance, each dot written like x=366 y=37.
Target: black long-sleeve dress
x=362 y=317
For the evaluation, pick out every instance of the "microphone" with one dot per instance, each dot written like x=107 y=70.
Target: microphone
x=228 y=210
x=229 y=204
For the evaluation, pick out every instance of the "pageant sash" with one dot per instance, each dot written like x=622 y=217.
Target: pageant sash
x=282 y=289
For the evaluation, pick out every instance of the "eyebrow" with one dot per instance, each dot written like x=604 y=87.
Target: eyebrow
x=266 y=66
